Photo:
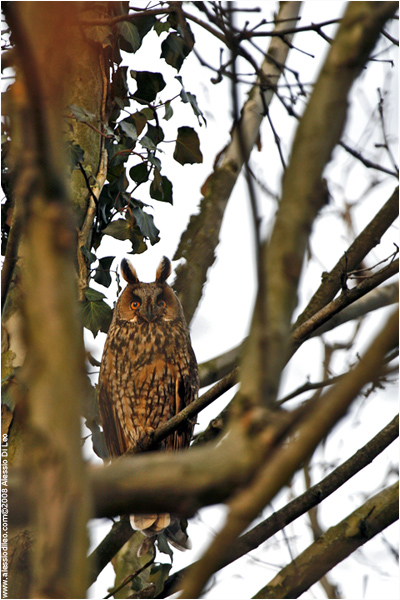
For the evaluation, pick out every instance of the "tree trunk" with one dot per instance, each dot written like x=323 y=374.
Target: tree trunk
x=57 y=65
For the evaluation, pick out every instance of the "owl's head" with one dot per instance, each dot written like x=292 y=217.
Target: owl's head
x=151 y=302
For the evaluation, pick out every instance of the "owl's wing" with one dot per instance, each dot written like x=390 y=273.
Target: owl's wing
x=186 y=390
x=116 y=441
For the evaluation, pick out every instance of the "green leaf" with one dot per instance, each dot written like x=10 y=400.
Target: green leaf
x=160 y=27
x=137 y=241
x=168 y=111
x=139 y=173
x=102 y=275
x=119 y=229
x=159 y=572
x=140 y=120
x=109 y=131
x=174 y=50
x=145 y=223
x=165 y=548
x=155 y=133
x=90 y=257
x=148 y=85
x=129 y=129
x=75 y=154
x=154 y=161
x=144 y=22
x=92 y=295
x=149 y=113
x=147 y=143
x=100 y=33
x=161 y=188
x=130 y=33
x=81 y=114
x=187 y=97
x=116 y=171
x=119 y=87
x=195 y=107
x=187 y=149
x=96 y=313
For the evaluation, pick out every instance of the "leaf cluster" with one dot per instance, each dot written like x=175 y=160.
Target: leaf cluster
x=132 y=132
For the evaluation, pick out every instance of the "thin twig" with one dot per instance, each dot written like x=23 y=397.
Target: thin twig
x=347 y=297
x=365 y=161
x=129 y=579
x=95 y=191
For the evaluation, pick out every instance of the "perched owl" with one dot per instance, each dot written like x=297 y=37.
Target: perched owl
x=148 y=372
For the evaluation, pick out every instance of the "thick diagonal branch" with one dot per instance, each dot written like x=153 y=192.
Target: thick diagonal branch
x=303 y=195
x=326 y=412
x=300 y=505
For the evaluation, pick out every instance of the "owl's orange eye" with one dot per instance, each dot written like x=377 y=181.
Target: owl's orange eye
x=135 y=304
x=162 y=303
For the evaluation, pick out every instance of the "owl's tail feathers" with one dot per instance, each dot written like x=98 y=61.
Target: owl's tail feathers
x=177 y=535
x=150 y=525
x=153 y=525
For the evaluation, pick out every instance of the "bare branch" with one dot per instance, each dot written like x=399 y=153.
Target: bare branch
x=303 y=195
x=320 y=418
x=378 y=297
x=373 y=300
x=362 y=245
x=335 y=545
x=366 y=162
x=300 y=505
x=198 y=243
x=302 y=332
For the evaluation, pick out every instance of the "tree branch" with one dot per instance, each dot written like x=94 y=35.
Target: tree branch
x=335 y=545
x=119 y=534
x=300 y=505
x=347 y=297
x=198 y=242
x=322 y=414
x=304 y=193
x=225 y=384
x=379 y=297
x=361 y=246
x=55 y=479
x=368 y=163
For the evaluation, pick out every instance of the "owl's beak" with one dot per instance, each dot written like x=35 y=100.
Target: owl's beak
x=150 y=314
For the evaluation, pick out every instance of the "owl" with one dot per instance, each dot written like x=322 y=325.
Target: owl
x=148 y=372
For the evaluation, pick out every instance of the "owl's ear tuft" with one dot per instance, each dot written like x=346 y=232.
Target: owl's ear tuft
x=163 y=270
x=128 y=272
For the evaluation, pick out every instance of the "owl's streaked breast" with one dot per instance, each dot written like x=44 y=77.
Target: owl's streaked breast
x=143 y=365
